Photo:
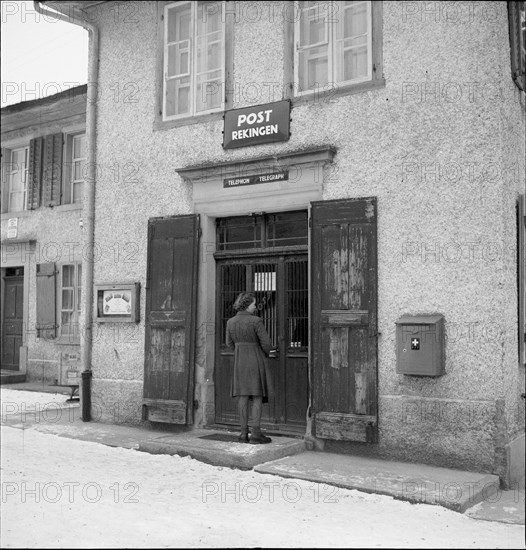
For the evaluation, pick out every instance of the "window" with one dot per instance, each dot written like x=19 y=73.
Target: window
x=517 y=24
x=75 y=167
x=194 y=59
x=16 y=169
x=263 y=231
x=333 y=45
x=70 y=293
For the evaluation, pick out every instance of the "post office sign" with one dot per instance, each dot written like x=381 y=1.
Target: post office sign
x=267 y=123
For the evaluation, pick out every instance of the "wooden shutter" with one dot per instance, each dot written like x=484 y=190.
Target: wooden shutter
x=46 y=310
x=5 y=187
x=344 y=319
x=517 y=62
x=171 y=300
x=34 y=186
x=521 y=276
x=52 y=169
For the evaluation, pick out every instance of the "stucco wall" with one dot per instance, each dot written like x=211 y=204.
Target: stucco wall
x=56 y=231
x=445 y=166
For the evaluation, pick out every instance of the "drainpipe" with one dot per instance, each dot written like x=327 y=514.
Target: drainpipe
x=76 y=18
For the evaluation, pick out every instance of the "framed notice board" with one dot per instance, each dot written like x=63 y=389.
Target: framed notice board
x=118 y=303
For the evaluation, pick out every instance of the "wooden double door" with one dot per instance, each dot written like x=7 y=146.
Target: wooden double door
x=280 y=283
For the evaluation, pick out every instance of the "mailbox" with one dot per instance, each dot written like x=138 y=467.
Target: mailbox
x=420 y=345
x=70 y=369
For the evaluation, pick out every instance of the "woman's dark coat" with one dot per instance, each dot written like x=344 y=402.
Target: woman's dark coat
x=246 y=335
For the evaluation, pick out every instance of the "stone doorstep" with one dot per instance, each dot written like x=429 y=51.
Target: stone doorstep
x=221 y=453
x=416 y=483
x=11 y=377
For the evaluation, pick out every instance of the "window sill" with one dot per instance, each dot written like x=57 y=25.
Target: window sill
x=18 y=214
x=27 y=213
x=337 y=91
x=66 y=207
x=160 y=124
x=65 y=341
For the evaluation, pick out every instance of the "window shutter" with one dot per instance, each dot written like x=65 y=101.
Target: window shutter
x=5 y=190
x=344 y=320
x=34 y=187
x=521 y=276
x=171 y=300
x=52 y=169
x=46 y=316
x=516 y=45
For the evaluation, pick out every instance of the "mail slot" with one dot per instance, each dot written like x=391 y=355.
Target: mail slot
x=420 y=345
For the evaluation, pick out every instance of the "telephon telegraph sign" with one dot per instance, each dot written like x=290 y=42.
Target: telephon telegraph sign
x=255 y=125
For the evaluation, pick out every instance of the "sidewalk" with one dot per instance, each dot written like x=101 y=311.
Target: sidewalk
x=476 y=495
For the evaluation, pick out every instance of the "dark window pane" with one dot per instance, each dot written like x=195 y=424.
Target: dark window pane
x=287 y=229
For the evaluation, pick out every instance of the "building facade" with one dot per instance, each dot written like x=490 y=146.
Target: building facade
x=360 y=167
x=43 y=165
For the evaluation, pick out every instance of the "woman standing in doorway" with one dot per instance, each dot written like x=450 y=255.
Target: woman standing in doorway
x=246 y=335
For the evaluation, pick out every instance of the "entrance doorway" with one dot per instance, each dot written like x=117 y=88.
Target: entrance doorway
x=13 y=317
x=273 y=264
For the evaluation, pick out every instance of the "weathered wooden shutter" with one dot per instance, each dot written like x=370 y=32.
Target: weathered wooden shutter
x=171 y=300
x=52 y=169
x=34 y=185
x=344 y=319
x=517 y=62
x=5 y=188
x=521 y=275
x=46 y=309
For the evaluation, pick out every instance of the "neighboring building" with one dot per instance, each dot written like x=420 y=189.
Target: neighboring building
x=43 y=166
x=377 y=171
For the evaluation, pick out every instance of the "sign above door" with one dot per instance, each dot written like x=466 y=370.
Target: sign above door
x=255 y=125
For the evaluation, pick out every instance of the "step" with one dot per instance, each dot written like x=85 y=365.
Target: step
x=417 y=483
x=11 y=377
x=222 y=448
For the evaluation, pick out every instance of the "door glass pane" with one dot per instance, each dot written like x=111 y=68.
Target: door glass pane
x=296 y=299
x=287 y=229
x=264 y=281
x=239 y=232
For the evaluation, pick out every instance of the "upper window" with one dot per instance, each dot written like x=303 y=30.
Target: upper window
x=75 y=165
x=17 y=175
x=333 y=44
x=194 y=59
x=517 y=24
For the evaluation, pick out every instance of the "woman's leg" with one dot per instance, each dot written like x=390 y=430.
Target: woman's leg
x=257 y=409
x=243 y=415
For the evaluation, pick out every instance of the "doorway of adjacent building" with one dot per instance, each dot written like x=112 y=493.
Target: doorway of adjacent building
x=12 y=317
x=266 y=254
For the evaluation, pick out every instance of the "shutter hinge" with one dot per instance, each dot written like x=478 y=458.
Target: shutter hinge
x=310 y=222
x=199 y=232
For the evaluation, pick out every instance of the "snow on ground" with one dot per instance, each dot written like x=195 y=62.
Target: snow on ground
x=61 y=493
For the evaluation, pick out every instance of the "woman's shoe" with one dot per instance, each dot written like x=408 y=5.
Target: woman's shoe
x=243 y=438
x=257 y=438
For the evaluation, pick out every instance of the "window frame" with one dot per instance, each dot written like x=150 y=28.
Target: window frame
x=7 y=174
x=193 y=64
x=68 y=164
x=74 y=337
x=375 y=57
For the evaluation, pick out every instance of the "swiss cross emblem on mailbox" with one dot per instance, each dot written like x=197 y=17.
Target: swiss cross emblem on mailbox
x=415 y=343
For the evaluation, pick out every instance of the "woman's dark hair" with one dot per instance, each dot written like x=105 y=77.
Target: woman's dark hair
x=243 y=301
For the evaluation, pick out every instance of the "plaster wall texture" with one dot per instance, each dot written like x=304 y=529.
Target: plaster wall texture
x=56 y=231
x=445 y=165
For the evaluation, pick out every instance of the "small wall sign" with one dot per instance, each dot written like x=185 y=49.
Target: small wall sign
x=118 y=303
x=12 y=228
x=258 y=124
x=251 y=180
